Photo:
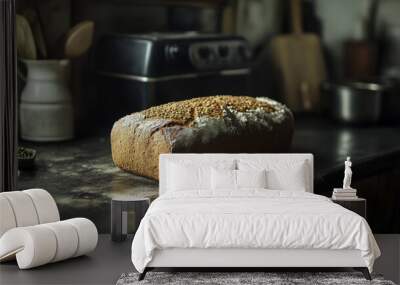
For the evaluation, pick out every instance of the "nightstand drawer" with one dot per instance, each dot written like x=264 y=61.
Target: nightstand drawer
x=358 y=206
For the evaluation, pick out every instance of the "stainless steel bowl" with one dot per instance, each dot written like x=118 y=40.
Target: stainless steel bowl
x=353 y=102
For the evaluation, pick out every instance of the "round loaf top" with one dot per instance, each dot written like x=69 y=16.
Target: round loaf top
x=186 y=112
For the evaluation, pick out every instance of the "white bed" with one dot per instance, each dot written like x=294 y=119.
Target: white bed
x=249 y=227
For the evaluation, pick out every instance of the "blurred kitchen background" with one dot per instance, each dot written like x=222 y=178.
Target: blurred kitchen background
x=316 y=56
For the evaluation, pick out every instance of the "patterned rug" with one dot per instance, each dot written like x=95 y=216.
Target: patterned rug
x=243 y=278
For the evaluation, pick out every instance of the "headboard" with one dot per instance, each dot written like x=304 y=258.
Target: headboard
x=166 y=158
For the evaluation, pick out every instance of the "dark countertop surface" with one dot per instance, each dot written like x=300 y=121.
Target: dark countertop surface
x=373 y=149
x=82 y=177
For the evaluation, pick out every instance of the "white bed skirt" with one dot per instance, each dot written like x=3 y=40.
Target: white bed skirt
x=190 y=257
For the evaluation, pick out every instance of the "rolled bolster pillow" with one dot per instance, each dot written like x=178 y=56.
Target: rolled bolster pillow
x=87 y=234
x=26 y=208
x=67 y=240
x=23 y=208
x=7 y=218
x=45 y=206
x=32 y=246
x=37 y=245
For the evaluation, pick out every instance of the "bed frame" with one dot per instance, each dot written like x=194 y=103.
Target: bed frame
x=246 y=258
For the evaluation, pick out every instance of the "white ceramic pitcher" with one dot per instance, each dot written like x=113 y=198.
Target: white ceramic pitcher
x=46 y=112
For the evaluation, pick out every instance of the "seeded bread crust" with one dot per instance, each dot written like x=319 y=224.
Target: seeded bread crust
x=225 y=124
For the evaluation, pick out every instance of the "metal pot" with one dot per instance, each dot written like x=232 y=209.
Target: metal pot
x=353 y=102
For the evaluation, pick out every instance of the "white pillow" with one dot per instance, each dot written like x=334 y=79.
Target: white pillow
x=289 y=175
x=225 y=179
x=186 y=175
x=251 y=179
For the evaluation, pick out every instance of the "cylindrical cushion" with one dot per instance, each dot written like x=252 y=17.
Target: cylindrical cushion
x=87 y=233
x=26 y=208
x=45 y=205
x=7 y=218
x=67 y=240
x=33 y=246
x=41 y=244
x=23 y=208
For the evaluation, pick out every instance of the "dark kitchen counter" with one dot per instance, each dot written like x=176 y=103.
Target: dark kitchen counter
x=375 y=152
x=373 y=149
x=82 y=177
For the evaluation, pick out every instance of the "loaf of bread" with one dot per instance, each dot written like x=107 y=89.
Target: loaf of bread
x=215 y=124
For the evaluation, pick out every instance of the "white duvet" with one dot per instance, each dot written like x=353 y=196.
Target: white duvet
x=250 y=219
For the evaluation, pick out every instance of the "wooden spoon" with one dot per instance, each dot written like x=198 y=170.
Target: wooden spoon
x=26 y=47
x=38 y=35
x=79 y=39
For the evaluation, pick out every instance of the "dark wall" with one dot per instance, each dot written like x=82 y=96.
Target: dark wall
x=8 y=97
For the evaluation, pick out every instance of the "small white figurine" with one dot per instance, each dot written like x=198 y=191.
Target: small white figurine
x=347 y=174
